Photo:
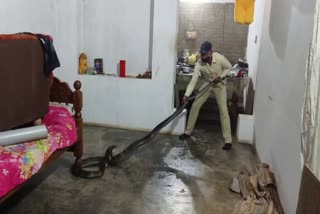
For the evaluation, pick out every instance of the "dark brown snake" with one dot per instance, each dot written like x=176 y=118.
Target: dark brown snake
x=100 y=163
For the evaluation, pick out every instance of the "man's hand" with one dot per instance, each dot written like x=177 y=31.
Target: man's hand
x=185 y=99
x=217 y=79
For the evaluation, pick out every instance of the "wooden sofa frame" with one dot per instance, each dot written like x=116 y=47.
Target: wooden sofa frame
x=61 y=92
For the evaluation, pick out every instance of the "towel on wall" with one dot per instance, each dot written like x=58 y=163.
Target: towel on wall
x=244 y=11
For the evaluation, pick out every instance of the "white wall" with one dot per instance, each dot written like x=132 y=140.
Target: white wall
x=286 y=35
x=117 y=30
x=254 y=39
x=135 y=103
x=130 y=103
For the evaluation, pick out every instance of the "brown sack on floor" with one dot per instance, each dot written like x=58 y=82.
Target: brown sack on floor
x=259 y=192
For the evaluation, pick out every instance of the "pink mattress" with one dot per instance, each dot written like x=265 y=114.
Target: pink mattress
x=19 y=162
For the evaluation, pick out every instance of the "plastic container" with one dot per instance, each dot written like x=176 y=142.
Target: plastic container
x=245 y=129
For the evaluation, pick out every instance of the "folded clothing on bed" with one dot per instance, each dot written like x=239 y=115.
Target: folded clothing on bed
x=19 y=162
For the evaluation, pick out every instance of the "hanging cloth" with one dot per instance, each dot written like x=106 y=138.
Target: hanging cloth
x=244 y=11
x=310 y=117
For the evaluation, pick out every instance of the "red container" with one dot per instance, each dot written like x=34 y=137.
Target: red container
x=122 y=68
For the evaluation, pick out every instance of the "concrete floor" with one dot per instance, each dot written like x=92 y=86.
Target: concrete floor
x=167 y=176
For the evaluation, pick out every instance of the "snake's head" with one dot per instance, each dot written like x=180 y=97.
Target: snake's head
x=109 y=153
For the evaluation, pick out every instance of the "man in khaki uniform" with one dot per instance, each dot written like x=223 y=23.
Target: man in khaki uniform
x=213 y=67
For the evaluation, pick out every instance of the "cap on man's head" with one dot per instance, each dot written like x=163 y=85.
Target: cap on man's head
x=205 y=47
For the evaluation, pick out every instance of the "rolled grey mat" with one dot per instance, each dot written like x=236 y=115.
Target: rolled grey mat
x=23 y=135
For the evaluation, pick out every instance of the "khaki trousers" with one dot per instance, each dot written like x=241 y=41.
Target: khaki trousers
x=220 y=93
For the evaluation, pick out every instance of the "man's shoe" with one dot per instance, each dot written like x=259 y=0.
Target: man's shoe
x=227 y=146
x=184 y=136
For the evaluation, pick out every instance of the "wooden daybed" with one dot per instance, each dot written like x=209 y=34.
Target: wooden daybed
x=61 y=92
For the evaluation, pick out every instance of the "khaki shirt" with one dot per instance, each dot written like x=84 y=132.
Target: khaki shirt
x=220 y=66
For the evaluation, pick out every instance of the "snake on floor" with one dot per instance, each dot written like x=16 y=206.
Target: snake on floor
x=94 y=167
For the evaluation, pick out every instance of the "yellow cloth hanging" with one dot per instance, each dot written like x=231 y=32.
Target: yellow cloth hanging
x=244 y=11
